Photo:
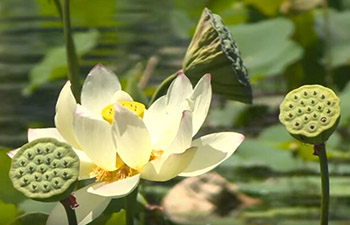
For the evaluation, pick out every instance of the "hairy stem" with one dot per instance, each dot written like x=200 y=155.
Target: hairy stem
x=320 y=150
x=130 y=205
x=72 y=57
x=70 y=210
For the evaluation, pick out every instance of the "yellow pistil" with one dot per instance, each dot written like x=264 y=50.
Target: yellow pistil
x=108 y=112
x=136 y=107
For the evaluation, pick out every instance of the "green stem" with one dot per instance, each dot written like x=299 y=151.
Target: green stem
x=163 y=87
x=59 y=8
x=130 y=206
x=72 y=219
x=328 y=47
x=320 y=150
x=72 y=57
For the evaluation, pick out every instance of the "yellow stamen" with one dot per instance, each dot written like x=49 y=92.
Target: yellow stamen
x=155 y=154
x=110 y=176
x=108 y=112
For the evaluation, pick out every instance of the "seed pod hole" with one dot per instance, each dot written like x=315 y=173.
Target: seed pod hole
x=323 y=119
x=323 y=97
x=315 y=93
x=305 y=93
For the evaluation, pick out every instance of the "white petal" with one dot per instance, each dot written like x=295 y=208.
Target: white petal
x=212 y=150
x=99 y=88
x=179 y=90
x=167 y=167
x=12 y=153
x=122 y=96
x=95 y=137
x=86 y=165
x=116 y=189
x=131 y=137
x=201 y=98
x=65 y=108
x=90 y=207
x=36 y=133
x=183 y=138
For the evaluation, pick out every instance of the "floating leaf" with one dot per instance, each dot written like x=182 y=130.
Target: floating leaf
x=54 y=64
x=213 y=50
x=269 y=8
x=273 y=52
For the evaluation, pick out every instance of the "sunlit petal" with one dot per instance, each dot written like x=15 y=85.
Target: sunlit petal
x=201 y=99
x=167 y=167
x=122 y=96
x=95 y=137
x=35 y=133
x=183 y=137
x=131 y=137
x=99 y=88
x=65 y=108
x=12 y=153
x=180 y=89
x=116 y=189
x=212 y=150
x=90 y=207
x=86 y=165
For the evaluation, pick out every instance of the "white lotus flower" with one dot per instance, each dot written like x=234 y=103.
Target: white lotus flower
x=118 y=141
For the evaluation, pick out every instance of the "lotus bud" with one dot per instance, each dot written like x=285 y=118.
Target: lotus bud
x=214 y=51
x=310 y=113
x=45 y=170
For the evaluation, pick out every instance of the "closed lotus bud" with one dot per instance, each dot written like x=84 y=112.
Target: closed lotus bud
x=214 y=51
x=45 y=170
x=310 y=113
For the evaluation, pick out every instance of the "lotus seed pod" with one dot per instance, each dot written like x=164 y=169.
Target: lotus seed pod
x=310 y=113
x=213 y=50
x=45 y=170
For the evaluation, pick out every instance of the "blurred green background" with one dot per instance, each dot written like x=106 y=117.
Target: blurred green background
x=284 y=44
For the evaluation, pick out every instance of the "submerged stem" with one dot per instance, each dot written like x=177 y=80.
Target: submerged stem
x=72 y=57
x=320 y=150
x=130 y=205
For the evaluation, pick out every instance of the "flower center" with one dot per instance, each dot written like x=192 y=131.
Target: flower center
x=109 y=176
x=155 y=154
x=137 y=107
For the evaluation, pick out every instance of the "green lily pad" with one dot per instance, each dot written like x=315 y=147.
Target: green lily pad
x=266 y=46
x=54 y=64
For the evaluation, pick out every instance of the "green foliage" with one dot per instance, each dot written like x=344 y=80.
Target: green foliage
x=273 y=52
x=117 y=218
x=54 y=64
x=340 y=37
x=8 y=213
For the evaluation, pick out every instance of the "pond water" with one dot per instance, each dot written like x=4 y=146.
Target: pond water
x=132 y=31
x=128 y=33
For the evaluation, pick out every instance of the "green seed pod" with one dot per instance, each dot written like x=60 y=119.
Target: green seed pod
x=45 y=170
x=310 y=113
x=213 y=50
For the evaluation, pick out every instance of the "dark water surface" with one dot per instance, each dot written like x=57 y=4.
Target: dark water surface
x=129 y=33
